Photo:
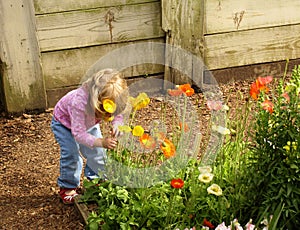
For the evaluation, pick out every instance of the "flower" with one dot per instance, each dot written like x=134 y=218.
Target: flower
x=205 y=169
x=206 y=177
x=222 y=227
x=187 y=89
x=249 y=225
x=289 y=145
x=208 y=223
x=177 y=183
x=214 y=105
x=214 y=189
x=147 y=141
x=167 y=148
x=286 y=97
x=138 y=131
x=259 y=85
x=141 y=101
x=220 y=129
x=109 y=106
x=175 y=92
x=267 y=105
x=124 y=128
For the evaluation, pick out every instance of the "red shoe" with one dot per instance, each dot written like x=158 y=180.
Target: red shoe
x=67 y=195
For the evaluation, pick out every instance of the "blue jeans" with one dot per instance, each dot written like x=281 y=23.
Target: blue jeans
x=71 y=162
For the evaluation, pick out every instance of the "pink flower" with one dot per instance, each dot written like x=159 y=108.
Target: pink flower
x=214 y=105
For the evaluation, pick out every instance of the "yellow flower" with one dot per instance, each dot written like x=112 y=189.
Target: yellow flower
x=214 y=189
x=124 y=128
x=289 y=145
x=138 y=131
x=109 y=106
x=141 y=101
x=206 y=177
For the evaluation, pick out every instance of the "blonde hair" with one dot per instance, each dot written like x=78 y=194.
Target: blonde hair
x=107 y=84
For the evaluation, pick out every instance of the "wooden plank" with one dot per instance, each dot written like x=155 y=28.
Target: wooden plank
x=233 y=15
x=19 y=54
x=99 y=26
x=182 y=20
x=67 y=67
x=251 y=47
x=54 y=6
x=82 y=210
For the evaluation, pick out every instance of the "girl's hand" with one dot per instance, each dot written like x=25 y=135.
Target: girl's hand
x=109 y=143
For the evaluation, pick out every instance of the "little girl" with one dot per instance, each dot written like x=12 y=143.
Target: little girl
x=75 y=125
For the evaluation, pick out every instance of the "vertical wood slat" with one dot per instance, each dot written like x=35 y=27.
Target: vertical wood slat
x=182 y=20
x=19 y=52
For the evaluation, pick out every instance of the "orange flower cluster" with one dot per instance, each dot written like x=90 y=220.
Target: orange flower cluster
x=260 y=85
x=185 y=88
x=177 y=183
x=168 y=148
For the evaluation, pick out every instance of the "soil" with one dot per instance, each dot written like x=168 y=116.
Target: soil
x=29 y=167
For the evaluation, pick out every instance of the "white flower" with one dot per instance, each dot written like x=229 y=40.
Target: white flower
x=220 y=129
x=206 y=177
x=222 y=227
x=214 y=189
x=225 y=107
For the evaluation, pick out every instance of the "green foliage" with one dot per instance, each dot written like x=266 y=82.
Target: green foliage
x=257 y=170
x=272 y=173
x=158 y=207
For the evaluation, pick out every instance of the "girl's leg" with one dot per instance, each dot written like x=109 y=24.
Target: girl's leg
x=70 y=159
x=95 y=157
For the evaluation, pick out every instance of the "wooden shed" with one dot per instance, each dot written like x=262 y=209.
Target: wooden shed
x=47 y=46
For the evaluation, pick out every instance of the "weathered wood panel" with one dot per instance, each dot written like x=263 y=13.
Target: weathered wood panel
x=67 y=67
x=53 y=95
x=54 y=6
x=232 y=15
x=19 y=54
x=183 y=23
x=252 y=46
x=99 y=26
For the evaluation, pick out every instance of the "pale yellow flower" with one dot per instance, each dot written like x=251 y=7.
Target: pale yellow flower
x=141 y=101
x=220 y=129
x=206 y=177
x=124 y=128
x=214 y=189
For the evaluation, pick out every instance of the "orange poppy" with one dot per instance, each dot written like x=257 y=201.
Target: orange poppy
x=267 y=105
x=147 y=141
x=177 y=183
x=167 y=148
x=187 y=89
x=259 y=85
x=175 y=92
